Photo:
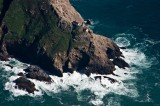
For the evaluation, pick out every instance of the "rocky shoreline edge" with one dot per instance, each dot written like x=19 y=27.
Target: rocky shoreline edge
x=83 y=51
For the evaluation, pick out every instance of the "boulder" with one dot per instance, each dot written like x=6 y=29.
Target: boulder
x=21 y=74
x=25 y=84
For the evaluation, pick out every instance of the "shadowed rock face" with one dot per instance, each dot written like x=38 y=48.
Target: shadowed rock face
x=3 y=51
x=41 y=32
x=34 y=72
x=120 y=63
x=6 y=4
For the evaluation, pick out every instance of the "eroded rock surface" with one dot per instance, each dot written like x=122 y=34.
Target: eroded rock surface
x=25 y=84
x=43 y=33
x=34 y=72
x=64 y=9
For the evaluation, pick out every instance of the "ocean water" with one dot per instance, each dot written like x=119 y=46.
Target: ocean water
x=133 y=24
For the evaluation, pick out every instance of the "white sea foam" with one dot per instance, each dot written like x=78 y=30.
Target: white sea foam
x=94 y=23
x=152 y=42
x=113 y=102
x=11 y=87
x=81 y=82
x=122 y=42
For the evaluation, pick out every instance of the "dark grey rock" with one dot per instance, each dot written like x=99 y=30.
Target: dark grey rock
x=25 y=84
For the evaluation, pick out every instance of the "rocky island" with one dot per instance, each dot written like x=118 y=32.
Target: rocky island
x=53 y=35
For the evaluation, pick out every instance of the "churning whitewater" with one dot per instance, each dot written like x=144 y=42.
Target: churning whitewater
x=134 y=25
x=76 y=82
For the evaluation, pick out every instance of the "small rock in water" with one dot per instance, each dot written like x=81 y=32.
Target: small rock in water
x=122 y=47
x=88 y=22
x=20 y=74
x=97 y=77
x=25 y=84
x=9 y=66
x=126 y=73
x=111 y=79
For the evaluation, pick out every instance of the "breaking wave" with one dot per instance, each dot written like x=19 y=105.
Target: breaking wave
x=79 y=83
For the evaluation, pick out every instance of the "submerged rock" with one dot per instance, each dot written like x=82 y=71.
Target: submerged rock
x=25 y=84
x=98 y=77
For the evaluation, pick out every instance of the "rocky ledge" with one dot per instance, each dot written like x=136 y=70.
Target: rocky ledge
x=54 y=36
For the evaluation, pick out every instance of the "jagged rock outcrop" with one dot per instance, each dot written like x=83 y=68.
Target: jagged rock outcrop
x=34 y=72
x=42 y=32
x=64 y=9
x=120 y=63
x=92 y=57
x=25 y=84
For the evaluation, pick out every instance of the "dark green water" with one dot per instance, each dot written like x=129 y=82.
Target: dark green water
x=130 y=23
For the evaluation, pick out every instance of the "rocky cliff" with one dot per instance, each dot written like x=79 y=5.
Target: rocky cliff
x=54 y=36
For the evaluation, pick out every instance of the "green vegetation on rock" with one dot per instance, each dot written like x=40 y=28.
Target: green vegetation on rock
x=34 y=32
x=36 y=22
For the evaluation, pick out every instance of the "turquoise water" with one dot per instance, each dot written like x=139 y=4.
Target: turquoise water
x=130 y=23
